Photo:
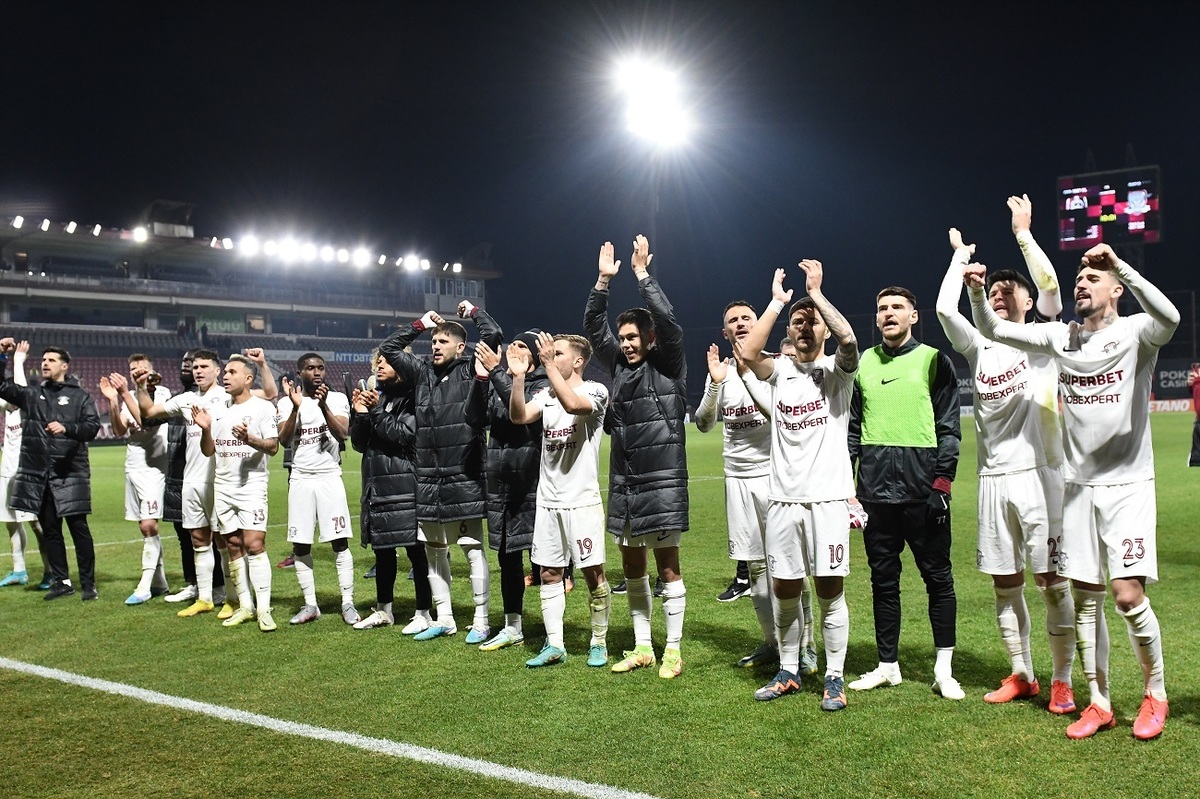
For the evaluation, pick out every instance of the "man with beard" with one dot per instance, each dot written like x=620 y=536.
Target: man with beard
x=451 y=410
x=315 y=421
x=1105 y=374
x=53 y=478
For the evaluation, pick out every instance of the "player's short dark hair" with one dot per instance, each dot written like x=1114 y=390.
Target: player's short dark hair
x=300 y=361
x=578 y=343
x=138 y=356
x=786 y=341
x=897 y=291
x=250 y=365
x=636 y=316
x=738 y=304
x=452 y=329
x=1010 y=275
x=62 y=354
x=802 y=304
x=190 y=355
x=205 y=355
x=1104 y=267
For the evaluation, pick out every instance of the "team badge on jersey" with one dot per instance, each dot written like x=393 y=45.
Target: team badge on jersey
x=818 y=376
x=64 y=401
x=1110 y=346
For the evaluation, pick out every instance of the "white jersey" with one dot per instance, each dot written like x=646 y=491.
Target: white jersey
x=570 y=468
x=1017 y=424
x=747 y=432
x=238 y=463
x=314 y=449
x=810 y=411
x=198 y=468
x=12 y=439
x=147 y=447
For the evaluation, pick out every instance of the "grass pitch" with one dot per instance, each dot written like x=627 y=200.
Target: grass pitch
x=701 y=735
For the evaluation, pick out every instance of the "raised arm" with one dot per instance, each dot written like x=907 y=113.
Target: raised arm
x=1049 y=299
x=718 y=370
x=19 y=355
x=287 y=424
x=668 y=335
x=1153 y=302
x=752 y=347
x=269 y=390
x=147 y=408
x=847 y=351
x=489 y=331
x=1031 y=338
x=595 y=315
x=119 y=427
x=563 y=391
x=518 y=411
x=10 y=392
x=203 y=420
x=958 y=329
x=393 y=347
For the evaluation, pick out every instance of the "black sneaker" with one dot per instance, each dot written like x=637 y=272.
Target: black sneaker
x=619 y=588
x=90 y=593
x=735 y=590
x=59 y=588
x=370 y=575
x=659 y=587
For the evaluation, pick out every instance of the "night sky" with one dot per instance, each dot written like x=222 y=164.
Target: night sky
x=833 y=131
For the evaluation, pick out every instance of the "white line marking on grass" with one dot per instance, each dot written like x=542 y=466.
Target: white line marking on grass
x=382 y=746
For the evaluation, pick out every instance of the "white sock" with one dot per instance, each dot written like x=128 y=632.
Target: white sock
x=151 y=555
x=304 y=576
x=554 y=605
x=205 y=562
x=760 y=596
x=637 y=591
x=835 y=630
x=240 y=578
x=259 y=569
x=160 y=574
x=1012 y=616
x=1060 y=628
x=942 y=665
x=513 y=622
x=18 y=538
x=1146 y=638
x=343 y=562
x=806 y=640
x=600 y=605
x=1091 y=639
x=439 y=584
x=787 y=632
x=674 y=605
x=226 y=563
x=481 y=584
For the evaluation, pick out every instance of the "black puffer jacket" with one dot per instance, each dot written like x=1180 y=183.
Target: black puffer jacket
x=513 y=458
x=176 y=460
x=386 y=436
x=648 y=478
x=451 y=411
x=57 y=461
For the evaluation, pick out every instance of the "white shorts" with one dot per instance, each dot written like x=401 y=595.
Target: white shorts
x=7 y=514
x=144 y=494
x=1020 y=521
x=198 y=506
x=746 y=516
x=651 y=540
x=242 y=508
x=568 y=535
x=808 y=538
x=1111 y=529
x=317 y=501
x=468 y=532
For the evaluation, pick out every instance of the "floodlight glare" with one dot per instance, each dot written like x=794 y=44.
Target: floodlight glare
x=248 y=245
x=361 y=257
x=425 y=264
x=227 y=243
x=445 y=267
x=96 y=230
x=456 y=268
x=212 y=242
x=71 y=227
x=411 y=262
x=328 y=254
x=45 y=225
x=140 y=234
x=289 y=250
x=382 y=260
x=270 y=247
x=18 y=221
x=655 y=111
x=308 y=252
x=343 y=256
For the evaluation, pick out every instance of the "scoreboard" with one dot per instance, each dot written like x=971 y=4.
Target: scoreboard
x=1119 y=207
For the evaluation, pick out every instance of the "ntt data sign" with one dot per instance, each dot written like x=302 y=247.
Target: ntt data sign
x=352 y=357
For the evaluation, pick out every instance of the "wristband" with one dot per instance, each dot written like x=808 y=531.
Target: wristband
x=425 y=322
x=776 y=306
x=471 y=309
x=942 y=484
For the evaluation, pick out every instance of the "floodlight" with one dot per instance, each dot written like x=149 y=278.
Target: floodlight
x=289 y=250
x=308 y=252
x=382 y=260
x=249 y=245
x=17 y=222
x=227 y=243
x=270 y=247
x=71 y=227
x=212 y=242
x=140 y=234
x=655 y=111
x=343 y=256
x=424 y=264
x=45 y=225
x=361 y=257
x=445 y=267
x=456 y=268
x=411 y=262
x=328 y=254
x=96 y=230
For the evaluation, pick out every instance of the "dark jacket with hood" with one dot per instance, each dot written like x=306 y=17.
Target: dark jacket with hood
x=513 y=461
x=386 y=436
